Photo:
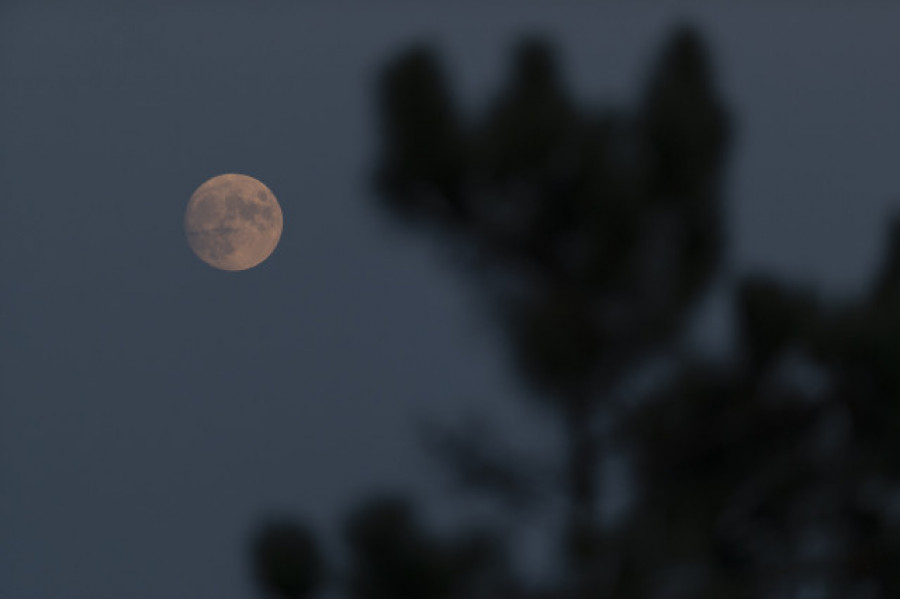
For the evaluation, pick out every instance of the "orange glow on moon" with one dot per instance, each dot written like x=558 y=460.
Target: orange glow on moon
x=233 y=222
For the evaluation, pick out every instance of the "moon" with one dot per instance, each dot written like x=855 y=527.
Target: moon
x=233 y=222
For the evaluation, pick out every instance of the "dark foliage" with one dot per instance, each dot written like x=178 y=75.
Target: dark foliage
x=593 y=234
x=286 y=561
x=394 y=557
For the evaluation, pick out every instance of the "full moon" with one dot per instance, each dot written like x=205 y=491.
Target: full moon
x=233 y=222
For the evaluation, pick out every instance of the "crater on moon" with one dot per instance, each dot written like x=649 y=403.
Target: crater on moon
x=233 y=222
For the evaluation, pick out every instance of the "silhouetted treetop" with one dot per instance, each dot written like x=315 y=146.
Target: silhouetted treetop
x=422 y=130
x=594 y=232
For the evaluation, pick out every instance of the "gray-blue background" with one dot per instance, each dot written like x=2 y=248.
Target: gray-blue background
x=152 y=408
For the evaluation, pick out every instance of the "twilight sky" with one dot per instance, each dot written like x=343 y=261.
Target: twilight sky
x=152 y=408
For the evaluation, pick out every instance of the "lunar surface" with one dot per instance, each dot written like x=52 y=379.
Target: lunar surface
x=233 y=222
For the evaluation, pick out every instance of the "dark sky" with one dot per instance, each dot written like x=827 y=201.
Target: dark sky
x=152 y=408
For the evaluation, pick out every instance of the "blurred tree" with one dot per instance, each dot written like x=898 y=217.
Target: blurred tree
x=593 y=236
x=393 y=557
x=286 y=560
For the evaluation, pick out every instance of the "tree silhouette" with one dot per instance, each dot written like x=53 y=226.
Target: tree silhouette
x=286 y=560
x=593 y=234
